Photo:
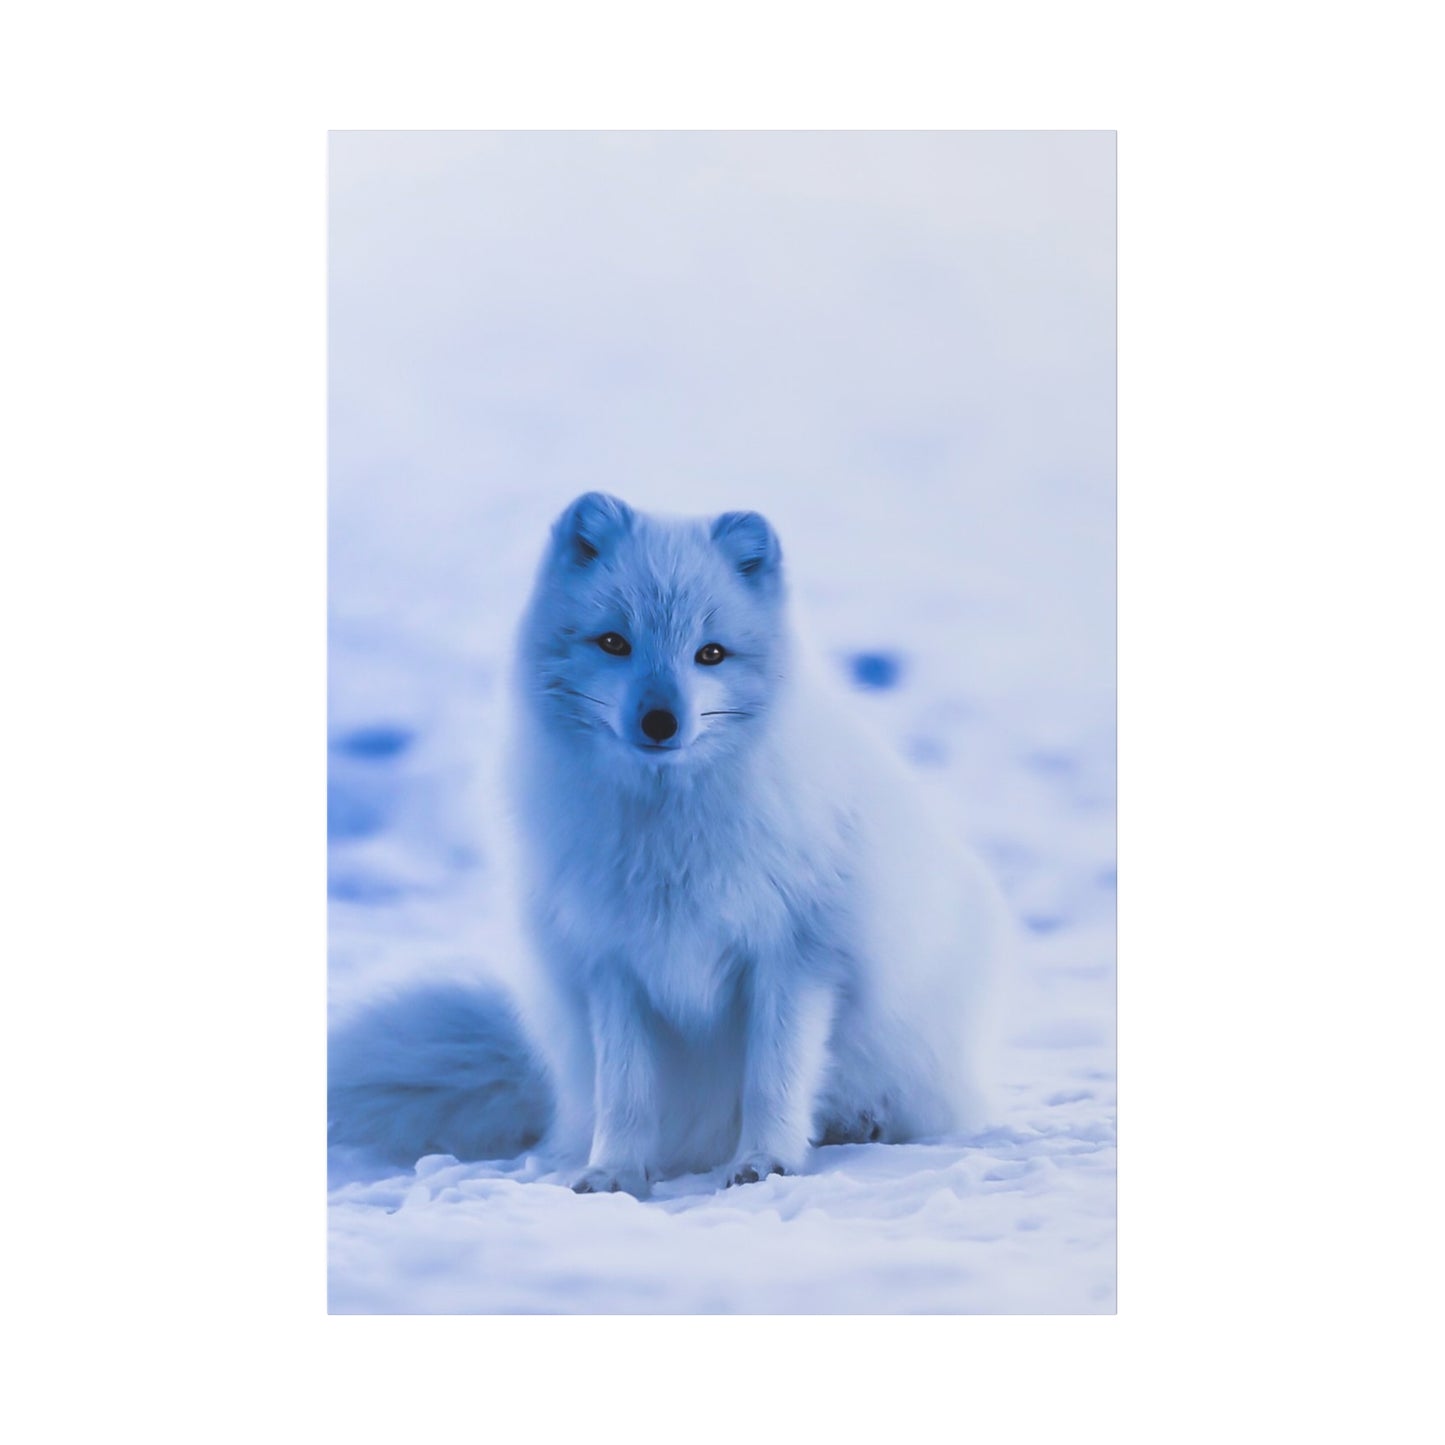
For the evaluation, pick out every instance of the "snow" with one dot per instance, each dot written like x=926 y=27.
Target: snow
x=900 y=348
x=870 y=1228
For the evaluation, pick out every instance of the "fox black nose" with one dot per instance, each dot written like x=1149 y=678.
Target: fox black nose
x=659 y=725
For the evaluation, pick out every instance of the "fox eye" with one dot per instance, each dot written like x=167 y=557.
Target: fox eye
x=614 y=643
x=710 y=654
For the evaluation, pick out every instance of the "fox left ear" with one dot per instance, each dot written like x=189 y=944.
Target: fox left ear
x=749 y=543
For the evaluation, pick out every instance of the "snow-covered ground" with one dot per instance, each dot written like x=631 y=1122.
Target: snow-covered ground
x=900 y=348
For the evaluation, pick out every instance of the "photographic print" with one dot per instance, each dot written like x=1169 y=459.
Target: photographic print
x=721 y=738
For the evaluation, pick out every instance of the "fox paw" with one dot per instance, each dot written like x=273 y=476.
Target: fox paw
x=861 y=1128
x=753 y=1167
x=601 y=1179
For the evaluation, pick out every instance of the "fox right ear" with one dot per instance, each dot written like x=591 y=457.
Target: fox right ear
x=749 y=543
x=589 y=526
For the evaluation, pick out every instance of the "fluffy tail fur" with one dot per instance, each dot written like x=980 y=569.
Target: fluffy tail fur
x=444 y=1069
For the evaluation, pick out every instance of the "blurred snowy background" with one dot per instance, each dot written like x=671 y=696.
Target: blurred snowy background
x=900 y=348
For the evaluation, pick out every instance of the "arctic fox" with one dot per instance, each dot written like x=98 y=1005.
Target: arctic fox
x=750 y=934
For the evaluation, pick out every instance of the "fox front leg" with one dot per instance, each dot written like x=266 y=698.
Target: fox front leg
x=625 y=1096
x=787 y=1048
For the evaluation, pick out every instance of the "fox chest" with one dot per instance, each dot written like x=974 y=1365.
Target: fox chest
x=684 y=923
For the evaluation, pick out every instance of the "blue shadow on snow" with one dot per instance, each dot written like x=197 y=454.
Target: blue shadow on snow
x=875 y=671
x=375 y=744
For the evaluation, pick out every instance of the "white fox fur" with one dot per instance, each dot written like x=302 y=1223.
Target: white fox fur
x=751 y=934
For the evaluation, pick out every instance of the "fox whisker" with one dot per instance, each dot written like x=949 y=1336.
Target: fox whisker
x=726 y=712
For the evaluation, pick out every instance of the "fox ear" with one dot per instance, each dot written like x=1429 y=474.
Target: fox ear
x=590 y=525
x=749 y=543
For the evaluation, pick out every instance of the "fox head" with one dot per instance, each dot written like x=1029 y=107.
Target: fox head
x=659 y=640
